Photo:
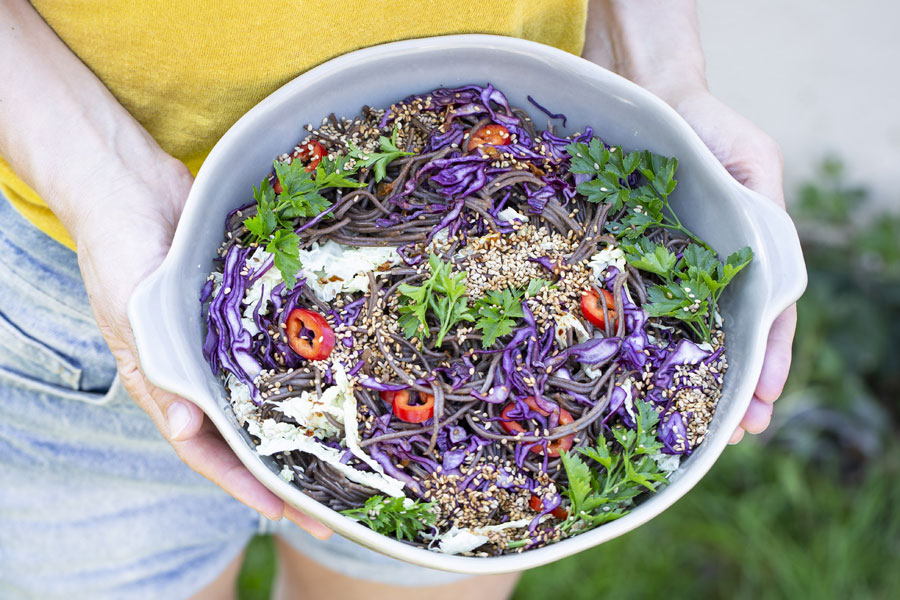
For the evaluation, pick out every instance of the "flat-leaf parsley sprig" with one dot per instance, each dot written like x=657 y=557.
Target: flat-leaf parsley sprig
x=647 y=204
x=497 y=312
x=622 y=469
x=274 y=222
x=691 y=285
x=443 y=295
x=402 y=518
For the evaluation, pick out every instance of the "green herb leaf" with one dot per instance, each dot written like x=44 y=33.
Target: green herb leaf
x=378 y=160
x=733 y=265
x=624 y=471
x=399 y=517
x=535 y=286
x=285 y=248
x=647 y=256
x=334 y=172
x=497 y=313
x=443 y=295
x=581 y=479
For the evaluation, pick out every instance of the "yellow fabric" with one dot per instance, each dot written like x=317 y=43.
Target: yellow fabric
x=188 y=69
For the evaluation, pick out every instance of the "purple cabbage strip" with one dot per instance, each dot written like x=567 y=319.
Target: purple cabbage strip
x=547 y=112
x=227 y=339
x=373 y=384
x=671 y=431
x=381 y=457
x=453 y=135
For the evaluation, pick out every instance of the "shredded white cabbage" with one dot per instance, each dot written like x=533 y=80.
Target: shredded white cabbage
x=331 y=268
x=309 y=411
x=509 y=214
x=569 y=322
x=456 y=540
x=284 y=437
x=609 y=256
x=261 y=289
x=286 y=473
x=240 y=399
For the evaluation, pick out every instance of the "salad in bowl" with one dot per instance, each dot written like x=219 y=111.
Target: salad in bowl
x=459 y=327
x=465 y=330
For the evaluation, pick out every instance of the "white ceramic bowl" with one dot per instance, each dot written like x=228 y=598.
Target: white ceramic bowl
x=169 y=325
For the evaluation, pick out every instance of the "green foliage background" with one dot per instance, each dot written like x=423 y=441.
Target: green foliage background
x=810 y=509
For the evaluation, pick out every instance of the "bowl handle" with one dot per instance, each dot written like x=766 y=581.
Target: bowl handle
x=778 y=234
x=148 y=314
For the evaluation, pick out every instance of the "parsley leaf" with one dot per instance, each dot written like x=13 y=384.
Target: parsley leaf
x=624 y=471
x=647 y=256
x=443 y=295
x=333 y=173
x=400 y=517
x=378 y=160
x=299 y=195
x=497 y=313
x=645 y=205
x=273 y=223
x=691 y=285
x=285 y=248
x=536 y=285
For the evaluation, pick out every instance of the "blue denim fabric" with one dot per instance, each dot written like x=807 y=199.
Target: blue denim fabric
x=93 y=502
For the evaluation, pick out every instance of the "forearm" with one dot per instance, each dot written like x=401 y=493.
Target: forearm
x=61 y=130
x=655 y=43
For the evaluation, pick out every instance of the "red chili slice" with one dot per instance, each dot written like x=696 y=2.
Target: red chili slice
x=537 y=505
x=411 y=413
x=311 y=153
x=592 y=309
x=493 y=134
x=553 y=448
x=315 y=345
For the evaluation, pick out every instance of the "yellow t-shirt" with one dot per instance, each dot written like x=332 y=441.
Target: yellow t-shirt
x=188 y=69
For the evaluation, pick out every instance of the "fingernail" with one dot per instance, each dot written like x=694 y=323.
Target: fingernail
x=177 y=417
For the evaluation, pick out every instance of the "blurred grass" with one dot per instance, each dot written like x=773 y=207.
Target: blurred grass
x=812 y=508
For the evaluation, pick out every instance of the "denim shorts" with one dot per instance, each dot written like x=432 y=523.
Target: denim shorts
x=94 y=503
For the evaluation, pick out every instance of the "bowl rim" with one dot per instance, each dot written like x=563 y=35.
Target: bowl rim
x=162 y=372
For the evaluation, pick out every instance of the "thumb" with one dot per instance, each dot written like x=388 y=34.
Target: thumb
x=183 y=419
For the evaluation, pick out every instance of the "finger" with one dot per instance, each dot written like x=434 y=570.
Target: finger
x=175 y=417
x=757 y=417
x=760 y=167
x=777 y=361
x=307 y=523
x=209 y=455
x=737 y=436
x=183 y=419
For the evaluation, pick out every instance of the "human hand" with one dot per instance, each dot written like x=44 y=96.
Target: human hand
x=657 y=45
x=754 y=159
x=122 y=237
x=120 y=196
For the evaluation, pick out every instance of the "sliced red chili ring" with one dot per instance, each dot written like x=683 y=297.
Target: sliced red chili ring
x=592 y=309
x=309 y=334
x=411 y=413
x=312 y=151
x=537 y=505
x=491 y=134
x=514 y=427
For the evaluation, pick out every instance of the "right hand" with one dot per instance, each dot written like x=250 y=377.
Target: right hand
x=122 y=237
